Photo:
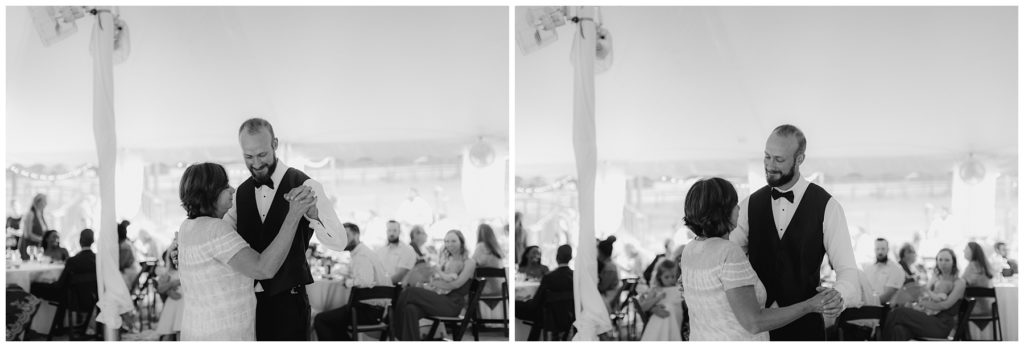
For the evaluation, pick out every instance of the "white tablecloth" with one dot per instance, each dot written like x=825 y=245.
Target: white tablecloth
x=26 y=273
x=325 y=295
x=526 y=290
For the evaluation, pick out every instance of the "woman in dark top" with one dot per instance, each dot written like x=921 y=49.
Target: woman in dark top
x=445 y=295
x=52 y=248
x=530 y=265
x=934 y=314
x=33 y=225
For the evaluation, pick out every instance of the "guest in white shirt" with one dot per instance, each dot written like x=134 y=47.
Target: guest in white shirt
x=366 y=271
x=398 y=257
x=787 y=228
x=884 y=275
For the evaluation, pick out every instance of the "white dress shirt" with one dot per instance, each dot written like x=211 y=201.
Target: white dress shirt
x=396 y=257
x=883 y=275
x=837 y=242
x=328 y=229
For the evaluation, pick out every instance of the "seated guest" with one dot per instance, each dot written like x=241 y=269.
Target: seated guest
x=934 y=312
x=978 y=273
x=367 y=271
x=488 y=254
x=52 y=248
x=1001 y=258
x=608 y=273
x=884 y=276
x=417 y=239
x=398 y=257
x=445 y=295
x=530 y=265
x=551 y=308
x=907 y=258
x=82 y=264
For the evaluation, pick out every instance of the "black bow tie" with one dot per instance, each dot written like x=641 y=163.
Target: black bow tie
x=776 y=194
x=268 y=183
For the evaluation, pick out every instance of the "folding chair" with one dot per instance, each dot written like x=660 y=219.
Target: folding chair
x=960 y=331
x=460 y=322
x=861 y=313
x=993 y=317
x=479 y=323
x=362 y=295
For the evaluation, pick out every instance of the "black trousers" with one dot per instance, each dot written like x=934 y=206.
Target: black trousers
x=334 y=325
x=283 y=316
x=810 y=327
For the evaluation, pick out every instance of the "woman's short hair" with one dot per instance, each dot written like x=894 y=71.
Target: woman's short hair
x=708 y=207
x=907 y=247
x=200 y=187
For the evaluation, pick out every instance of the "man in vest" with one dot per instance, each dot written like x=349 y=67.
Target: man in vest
x=282 y=307
x=787 y=228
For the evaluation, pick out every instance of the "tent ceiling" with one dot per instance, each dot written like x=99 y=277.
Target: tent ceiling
x=699 y=83
x=319 y=74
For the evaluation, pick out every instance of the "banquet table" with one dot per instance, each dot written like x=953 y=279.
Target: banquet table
x=325 y=295
x=524 y=291
x=23 y=275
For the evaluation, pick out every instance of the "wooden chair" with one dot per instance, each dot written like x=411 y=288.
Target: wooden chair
x=361 y=295
x=861 y=313
x=461 y=322
x=993 y=317
x=479 y=323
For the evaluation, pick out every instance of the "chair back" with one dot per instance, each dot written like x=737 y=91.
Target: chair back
x=979 y=292
x=490 y=272
x=859 y=313
x=373 y=293
x=962 y=332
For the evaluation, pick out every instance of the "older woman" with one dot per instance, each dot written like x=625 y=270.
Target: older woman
x=723 y=293
x=444 y=295
x=216 y=265
x=33 y=225
x=907 y=258
x=934 y=313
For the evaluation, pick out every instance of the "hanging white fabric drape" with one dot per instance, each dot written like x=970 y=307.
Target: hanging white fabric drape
x=591 y=314
x=113 y=293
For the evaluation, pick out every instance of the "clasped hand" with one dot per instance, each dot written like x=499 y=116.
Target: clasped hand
x=828 y=302
x=300 y=199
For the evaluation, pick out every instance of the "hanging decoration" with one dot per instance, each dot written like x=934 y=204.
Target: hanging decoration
x=78 y=172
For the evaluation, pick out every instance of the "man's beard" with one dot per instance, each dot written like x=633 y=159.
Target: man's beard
x=882 y=260
x=351 y=246
x=783 y=179
x=270 y=172
x=392 y=240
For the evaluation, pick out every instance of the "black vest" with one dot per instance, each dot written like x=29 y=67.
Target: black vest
x=788 y=267
x=294 y=271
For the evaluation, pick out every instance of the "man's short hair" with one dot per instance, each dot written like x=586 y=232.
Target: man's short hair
x=351 y=227
x=998 y=244
x=86 y=238
x=882 y=239
x=564 y=254
x=791 y=130
x=254 y=125
x=392 y=221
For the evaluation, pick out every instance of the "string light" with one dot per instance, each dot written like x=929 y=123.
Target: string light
x=49 y=177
